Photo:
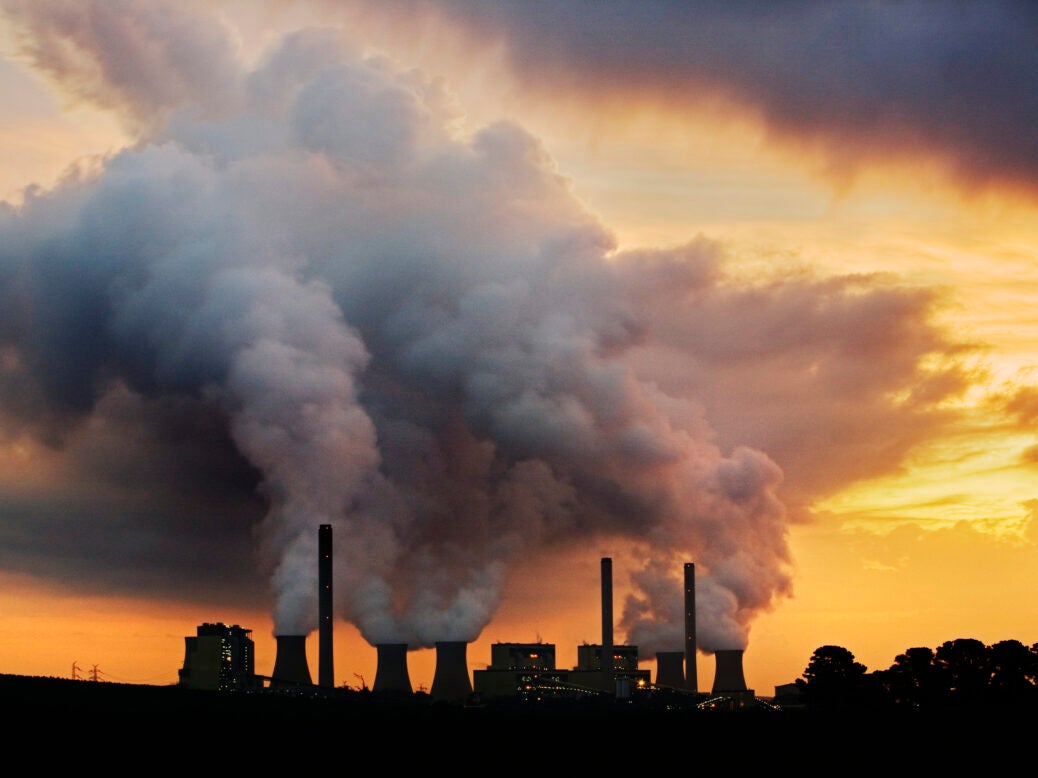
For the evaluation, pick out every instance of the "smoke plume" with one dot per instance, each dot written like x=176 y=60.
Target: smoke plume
x=414 y=334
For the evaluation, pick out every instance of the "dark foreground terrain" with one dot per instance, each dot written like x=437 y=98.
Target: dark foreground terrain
x=177 y=726
x=59 y=697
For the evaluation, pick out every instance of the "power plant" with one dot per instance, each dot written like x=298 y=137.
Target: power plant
x=222 y=657
x=219 y=657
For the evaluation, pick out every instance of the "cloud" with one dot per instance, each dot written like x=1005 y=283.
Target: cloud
x=316 y=302
x=142 y=60
x=845 y=80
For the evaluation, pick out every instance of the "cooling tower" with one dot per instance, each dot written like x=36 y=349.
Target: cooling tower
x=691 y=674
x=391 y=673
x=325 y=666
x=608 y=670
x=451 y=680
x=669 y=670
x=728 y=675
x=290 y=666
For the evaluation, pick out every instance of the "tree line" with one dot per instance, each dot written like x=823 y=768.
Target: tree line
x=959 y=673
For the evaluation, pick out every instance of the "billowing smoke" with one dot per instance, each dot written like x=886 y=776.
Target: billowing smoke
x=415 y=335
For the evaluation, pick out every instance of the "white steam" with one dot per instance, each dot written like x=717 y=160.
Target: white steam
x=417 y=336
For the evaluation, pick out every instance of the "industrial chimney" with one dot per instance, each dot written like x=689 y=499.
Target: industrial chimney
x=325 y=668
x=451 y=680
x=728 y=675
x=290 y=665
x=691 y=674
x=669 y=670
x=391 y=672
x=608 y=669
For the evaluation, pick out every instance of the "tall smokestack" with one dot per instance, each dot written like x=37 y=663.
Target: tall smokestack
x=728 y=675
x=391 y=672
x=290 y=665
x=608 y=680
x=451 y=680
x=691 y=674
x=669 y=670
x=325 y=669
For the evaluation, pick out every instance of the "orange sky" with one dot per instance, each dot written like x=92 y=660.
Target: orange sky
x=936 y=543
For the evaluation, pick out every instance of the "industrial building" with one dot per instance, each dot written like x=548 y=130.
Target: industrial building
x=523 y=670
x=219 y=658
x=527 y=671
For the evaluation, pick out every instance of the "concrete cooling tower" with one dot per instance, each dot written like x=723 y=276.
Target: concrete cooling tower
x=728 y=676
x=670 y=669
x=290 y=665
x=391 y=672
x=451 y=680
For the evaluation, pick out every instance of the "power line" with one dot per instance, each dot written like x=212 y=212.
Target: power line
x=97 y=674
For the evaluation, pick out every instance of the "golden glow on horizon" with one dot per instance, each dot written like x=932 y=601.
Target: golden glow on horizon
x=974 y=479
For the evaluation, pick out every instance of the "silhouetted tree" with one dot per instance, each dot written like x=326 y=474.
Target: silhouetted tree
x=961 y=672
x=964 y=666
x=913 y=680
x=834 y=679
x=1013 y=668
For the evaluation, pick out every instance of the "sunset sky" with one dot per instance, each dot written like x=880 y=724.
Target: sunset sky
x=502 y=288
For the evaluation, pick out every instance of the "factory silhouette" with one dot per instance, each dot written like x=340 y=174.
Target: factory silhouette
x=222 y=657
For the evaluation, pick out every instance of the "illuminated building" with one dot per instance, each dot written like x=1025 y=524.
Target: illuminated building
x=626 y=675
x=527 y=671
x=219 y=658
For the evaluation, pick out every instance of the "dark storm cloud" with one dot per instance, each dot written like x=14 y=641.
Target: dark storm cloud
x=861 y=79
x=311 y=303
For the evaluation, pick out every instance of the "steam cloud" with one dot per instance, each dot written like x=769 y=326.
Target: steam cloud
x=417 y=336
